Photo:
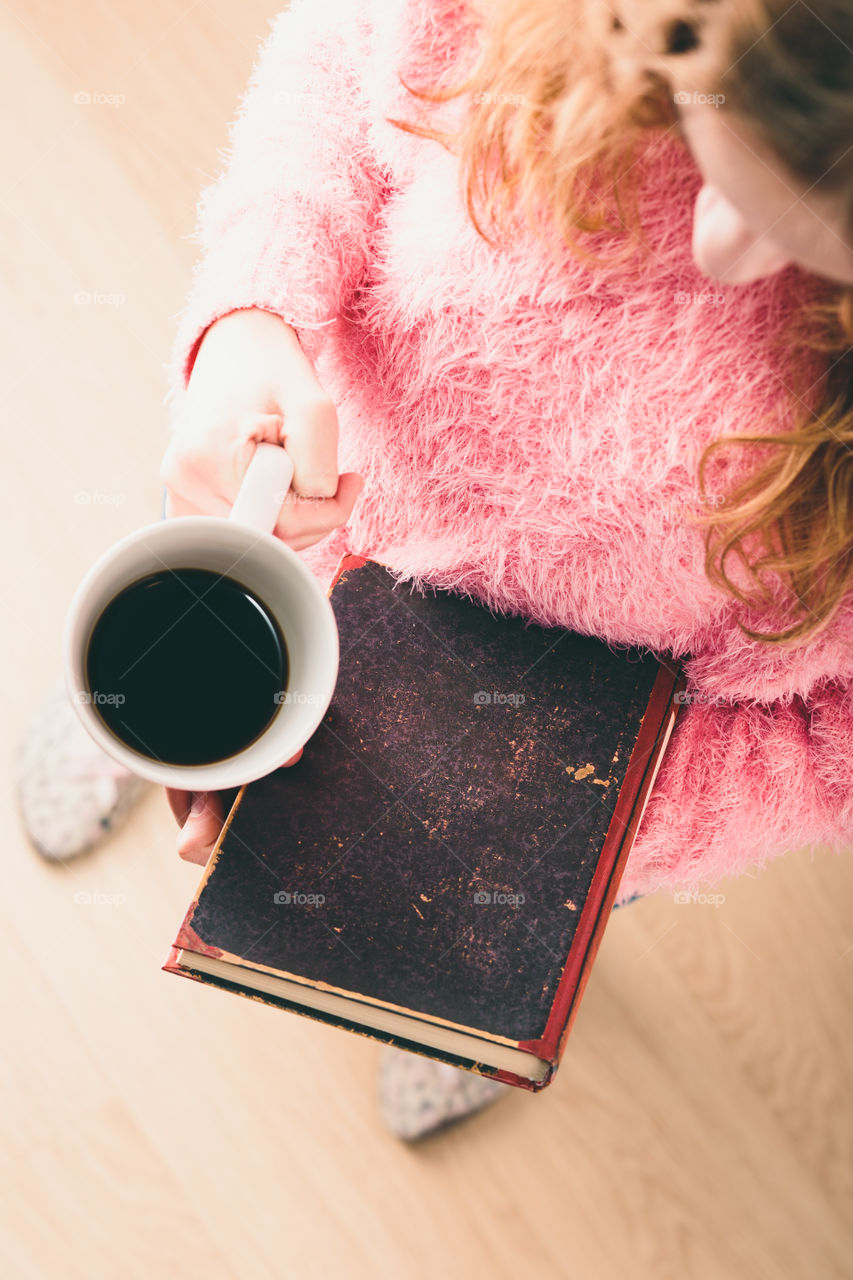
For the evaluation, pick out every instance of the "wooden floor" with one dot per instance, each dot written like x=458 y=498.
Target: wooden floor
x=701 y=1127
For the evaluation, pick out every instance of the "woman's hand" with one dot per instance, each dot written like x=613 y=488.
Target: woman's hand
x=251 y=381
x=200 y=817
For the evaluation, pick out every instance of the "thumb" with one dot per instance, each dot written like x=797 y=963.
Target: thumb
x=201 y=829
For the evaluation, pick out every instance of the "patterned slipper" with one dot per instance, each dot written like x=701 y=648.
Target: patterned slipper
x=417 y=1095
x=70 y=793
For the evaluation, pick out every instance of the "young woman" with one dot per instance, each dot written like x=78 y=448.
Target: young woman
x=550 y=302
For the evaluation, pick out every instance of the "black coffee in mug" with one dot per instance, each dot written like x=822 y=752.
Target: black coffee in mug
x=186 y=666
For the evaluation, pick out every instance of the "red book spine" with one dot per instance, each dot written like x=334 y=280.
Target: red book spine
x=621 y=833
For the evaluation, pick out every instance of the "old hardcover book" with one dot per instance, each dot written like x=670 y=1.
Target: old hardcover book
x=439 y=867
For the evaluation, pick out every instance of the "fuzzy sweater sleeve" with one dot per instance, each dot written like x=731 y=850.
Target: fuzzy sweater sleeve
x=743 y=782
x=286 y=225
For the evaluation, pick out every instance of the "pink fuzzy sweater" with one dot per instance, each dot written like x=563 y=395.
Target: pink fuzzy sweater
x=529 y=432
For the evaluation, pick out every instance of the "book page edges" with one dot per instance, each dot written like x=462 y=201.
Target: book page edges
x=503 y=1057
x=257 y=973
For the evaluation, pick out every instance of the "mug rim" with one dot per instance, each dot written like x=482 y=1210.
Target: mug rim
x=220 y=774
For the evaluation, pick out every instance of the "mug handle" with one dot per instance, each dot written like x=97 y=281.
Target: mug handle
x=264 y=488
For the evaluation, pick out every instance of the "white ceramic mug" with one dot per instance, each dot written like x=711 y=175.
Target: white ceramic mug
x=243 y=548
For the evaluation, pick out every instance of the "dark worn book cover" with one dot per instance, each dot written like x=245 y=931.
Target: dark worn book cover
x=451 y=841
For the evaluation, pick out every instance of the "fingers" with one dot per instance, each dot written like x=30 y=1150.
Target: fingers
x=303 y=521
x=205 y=479
x=201 y=830
x=203 y=466
x=251 y=382
x=310 y=436
x=179 y=803
x=200 y=818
